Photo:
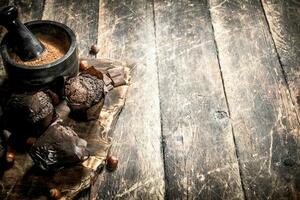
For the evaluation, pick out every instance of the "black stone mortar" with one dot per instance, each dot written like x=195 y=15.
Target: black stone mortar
x=25 y=76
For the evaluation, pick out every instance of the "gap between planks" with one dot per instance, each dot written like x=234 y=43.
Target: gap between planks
x=279 y=60
x=158 y=84
x=227 y=103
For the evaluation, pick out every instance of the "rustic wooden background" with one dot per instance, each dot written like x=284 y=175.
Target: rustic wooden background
x=214 y=112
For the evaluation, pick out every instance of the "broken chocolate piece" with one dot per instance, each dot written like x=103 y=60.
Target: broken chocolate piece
x=82 y=93
x=29 y=114
x=108 y=88
x=107 y=80
x=116 y=72
x=57 y=148
x=94 y=72
x=118 y=81
x=117 y=76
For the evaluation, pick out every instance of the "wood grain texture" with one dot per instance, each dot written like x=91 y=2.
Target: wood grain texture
x=29 y=10
x=200 y=159
x=81 y=17
x=126 y=31
x=264 y=119
x=283 y=18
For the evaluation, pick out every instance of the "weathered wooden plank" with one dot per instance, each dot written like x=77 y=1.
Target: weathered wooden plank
x=200 y=158
x=283 y=18
x=126 y=31
x=264 y=120
x=81 y=17
x=29 y=10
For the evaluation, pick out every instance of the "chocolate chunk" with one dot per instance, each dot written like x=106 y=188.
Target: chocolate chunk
x=57 y=148
x=94 y=72
x=116 y=72
x=118 y=81
x=117 y=76
x=108 y=88
x=107 y=80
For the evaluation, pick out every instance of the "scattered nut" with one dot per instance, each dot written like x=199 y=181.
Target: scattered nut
x=30 y=141
x=10 y=157
x=55 y=193
x=94 y=49
x=83 y=65
x=111 y=163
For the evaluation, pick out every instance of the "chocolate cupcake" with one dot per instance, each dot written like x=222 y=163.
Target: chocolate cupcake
x=28 y=114
x=57 y=148
x=85 y=96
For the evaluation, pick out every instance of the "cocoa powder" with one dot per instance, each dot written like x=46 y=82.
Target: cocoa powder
x=53 y=51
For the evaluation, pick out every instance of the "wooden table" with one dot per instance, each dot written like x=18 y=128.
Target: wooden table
x=214 y=112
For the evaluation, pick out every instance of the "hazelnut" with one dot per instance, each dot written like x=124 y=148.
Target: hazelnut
x=94 y=49
x=111 y=163
x=55 y=193
x=83 y=65
x=10 y=157
x=30 y=141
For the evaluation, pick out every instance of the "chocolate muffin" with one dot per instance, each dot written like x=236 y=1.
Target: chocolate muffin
x=85 y=96
x=57 y=148
x=29 y=114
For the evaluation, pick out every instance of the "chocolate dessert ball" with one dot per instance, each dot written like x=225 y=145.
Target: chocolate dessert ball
x=85 y=96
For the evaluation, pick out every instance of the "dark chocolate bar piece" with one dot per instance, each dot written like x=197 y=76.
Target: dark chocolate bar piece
x=107 y=80
x=116 y=72
x=94 y=72
x=117 y=76
x=108 y=88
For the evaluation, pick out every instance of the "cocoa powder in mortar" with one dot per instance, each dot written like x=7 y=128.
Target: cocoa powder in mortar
x=53 y=51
